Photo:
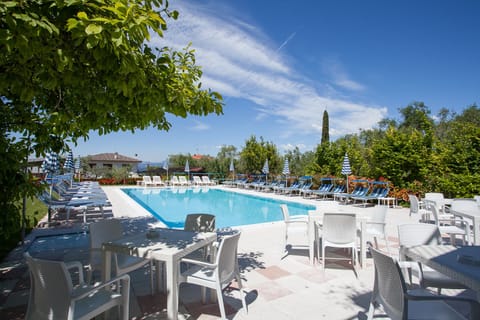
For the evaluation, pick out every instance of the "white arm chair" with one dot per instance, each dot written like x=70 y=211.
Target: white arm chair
x=108 y=230
x=54 y=296
x=399 y=303
x=410 y=235
x=217 y=275
x=416 y=207
x=449 y=224
x=376 y=225
x=339 y=230
x=293 y=223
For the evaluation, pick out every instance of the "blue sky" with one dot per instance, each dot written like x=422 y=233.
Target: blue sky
x=280 y=64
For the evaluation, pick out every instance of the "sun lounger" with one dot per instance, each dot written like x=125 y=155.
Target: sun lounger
x=337 y=189
x=206 y=181
x=381 y=191
x=197 y=181
x=157 y=181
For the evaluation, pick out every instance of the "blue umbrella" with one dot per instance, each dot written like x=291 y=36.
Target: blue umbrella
x=77 y=164
x=346 y=170
x=286 y=170
x=77 y=167
x=68 y=166
x=232 y=169
x=50 y=164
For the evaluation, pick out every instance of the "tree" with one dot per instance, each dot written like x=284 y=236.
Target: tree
x=325 y=128
x=70 y=67
x=254 y=154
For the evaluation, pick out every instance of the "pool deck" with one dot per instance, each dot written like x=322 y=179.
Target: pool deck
x=278 y=286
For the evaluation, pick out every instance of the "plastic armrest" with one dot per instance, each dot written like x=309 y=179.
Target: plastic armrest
x=76 y=265
x=200 y=263
x=85 y=292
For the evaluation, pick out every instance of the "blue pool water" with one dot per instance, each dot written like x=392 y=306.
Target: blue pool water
x=171 y=205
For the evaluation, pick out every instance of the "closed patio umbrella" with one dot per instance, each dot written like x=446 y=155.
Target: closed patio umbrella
x=286 y=170
x=165 y=166
x=187 y=169
x=68 y=166
x=265 y=169
x=50 y=164
x=232 y=169
x=346 y=170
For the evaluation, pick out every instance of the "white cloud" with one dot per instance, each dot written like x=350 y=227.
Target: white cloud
x=335 y=70
x=239 y=61
x=199 y=126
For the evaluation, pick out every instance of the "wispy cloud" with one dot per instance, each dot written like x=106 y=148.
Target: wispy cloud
x=199 y=126
x=239 y=61
x=335 y=70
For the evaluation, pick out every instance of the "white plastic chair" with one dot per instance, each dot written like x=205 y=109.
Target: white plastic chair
x=438 y=198
x=399 y=303
x=416 y=207
x=54 y=296
x=339 y=230
x=410 y=235
x=199 y=222
x=376 y=225
x=449 y=224
x=217 y=275
x=468 y=205
x=297 y=223
x=108 y=230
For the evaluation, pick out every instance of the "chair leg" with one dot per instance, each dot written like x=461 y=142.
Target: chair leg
x=220 y=301
x=371 y=311
x=242 y=293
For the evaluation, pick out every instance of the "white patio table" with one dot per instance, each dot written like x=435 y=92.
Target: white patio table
x=315 y=219
x=160 y=244
x=474 y=216
x=461 y=264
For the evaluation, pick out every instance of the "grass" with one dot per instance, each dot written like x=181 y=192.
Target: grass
x=35 y=211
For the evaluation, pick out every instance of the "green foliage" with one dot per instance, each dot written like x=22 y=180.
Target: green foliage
x=70 y=67
x=254 y=154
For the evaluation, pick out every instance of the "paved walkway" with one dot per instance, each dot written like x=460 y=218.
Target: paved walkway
x=278 y=286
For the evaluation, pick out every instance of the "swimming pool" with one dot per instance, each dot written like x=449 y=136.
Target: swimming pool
x=171 y=205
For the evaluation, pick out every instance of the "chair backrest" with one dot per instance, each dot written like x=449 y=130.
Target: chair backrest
x=378 y=217
x=339 y=228
x=477 y=198
x=200 y=222
x=50 y=290
x=157 y=179
x=174 y=179
x=103 y=231
x=389 y=287
x=227 y=264
x=437 y=197
x=467 y=205
x=414 y=204
x=415 y=234
x=432 y=206
x=147 y=179
x=285 y=213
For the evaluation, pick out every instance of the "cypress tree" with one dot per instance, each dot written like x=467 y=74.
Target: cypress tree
x=325 y=128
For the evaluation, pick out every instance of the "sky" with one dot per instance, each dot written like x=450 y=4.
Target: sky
x=279 y=64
